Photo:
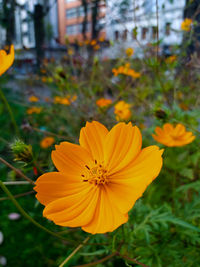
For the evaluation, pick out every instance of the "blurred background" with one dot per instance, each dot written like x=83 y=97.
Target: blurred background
x=41 y=28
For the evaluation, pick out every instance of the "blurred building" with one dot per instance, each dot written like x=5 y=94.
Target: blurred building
x=24 y=35
x=134 y=23
x=70 y=19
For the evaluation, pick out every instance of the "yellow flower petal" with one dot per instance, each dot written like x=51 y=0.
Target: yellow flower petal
x=122 y=145
x=69 y=156
x=92 y=138
x=55 y=185
x=106 y=218
x=6 y=60
x=128 y=184
x=73 y=210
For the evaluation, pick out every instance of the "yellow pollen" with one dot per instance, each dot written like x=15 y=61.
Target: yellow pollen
x=96 y=175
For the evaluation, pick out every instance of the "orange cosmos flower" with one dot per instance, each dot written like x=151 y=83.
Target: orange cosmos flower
x=126 y=70
x=173 y=136
x=44 y=79
x=129 y=51
x=96 y=47
x=184 y=106
x=70 y=51
x=73 y=98
x=101 y=39
x=98 y=181
x=171 y=59
x=32 y=110
x=6 y=60
x=47 y=142
x=33 y=98
x=115 y=71
x=93 y=42
x=186 y=25
x=57 y=99
x=43 y=70
x=122 y=111
x=65 y=101
x=103 y=102
x=87 y=42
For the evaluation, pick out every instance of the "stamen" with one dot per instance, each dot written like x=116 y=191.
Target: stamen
x=95 y=161
x=85 y=180
x=82 y=175
x=87 y=167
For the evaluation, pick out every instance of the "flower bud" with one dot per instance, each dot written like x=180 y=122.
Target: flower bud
x=21 y=151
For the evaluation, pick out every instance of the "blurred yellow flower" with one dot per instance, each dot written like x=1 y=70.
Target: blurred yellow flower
x=115 y=71
x=47 y=142
x=93 y=42
x=70 y=51
x=87 y=42
x=133 y=73
x=33 y=98
x=96 y=47
x=129 y=51
x=173 y=136
x=44 y=79
x=103 y=102
x=183 y=106
x=186 y=25
x=171 y=59
x=101 y=39
x=43 y=70
x=67 y=100
x=73 y=98
x=6 y=60
x=32 y=110
x=122 y=110
x=57 y=99
x=179 y=95
x=80 y=43
x=126 y=70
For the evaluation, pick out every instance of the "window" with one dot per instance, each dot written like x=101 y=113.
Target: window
x=80 y=27
x=71 y=13
x=124 y=35
x=81 y=12
x=167 y=28
x=76 y=12
x=144 y=33
x=72 y=29
x=116 y=35
x=154 y=32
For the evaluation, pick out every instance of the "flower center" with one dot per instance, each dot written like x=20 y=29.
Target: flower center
x=96 y=175
x=175 y=136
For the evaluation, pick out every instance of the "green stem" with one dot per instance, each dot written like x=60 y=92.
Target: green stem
x=18 y=195
x=28 y=217
x=16 y=170
x=16 y=183
x=10 y=112
x=74 y=252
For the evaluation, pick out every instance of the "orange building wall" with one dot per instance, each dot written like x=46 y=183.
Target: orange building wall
x=63 y=21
